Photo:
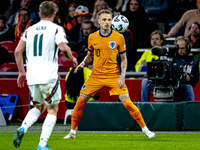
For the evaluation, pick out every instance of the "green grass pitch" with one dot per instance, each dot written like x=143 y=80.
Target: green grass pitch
x=107 y=141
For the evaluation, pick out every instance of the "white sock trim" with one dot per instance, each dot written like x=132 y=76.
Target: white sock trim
x=73 y=131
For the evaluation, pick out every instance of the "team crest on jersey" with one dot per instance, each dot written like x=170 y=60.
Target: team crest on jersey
x=84 y=87
x=112 y=44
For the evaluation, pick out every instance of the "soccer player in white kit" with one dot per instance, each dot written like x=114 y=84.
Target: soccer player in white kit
x=40 y=42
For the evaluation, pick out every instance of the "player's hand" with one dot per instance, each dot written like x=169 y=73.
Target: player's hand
x=80 y=66
x=21 y=79
x=121 y=81
x=75 y=63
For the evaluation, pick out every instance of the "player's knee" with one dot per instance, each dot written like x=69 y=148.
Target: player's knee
x=85 y=96
x=124 y=97
x=41 y=108
x=52 y=109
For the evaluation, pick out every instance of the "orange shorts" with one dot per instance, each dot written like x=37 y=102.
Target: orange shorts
x=93 y=84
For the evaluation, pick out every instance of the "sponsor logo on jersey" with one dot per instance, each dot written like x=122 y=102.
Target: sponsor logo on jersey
x=112 y=44
x=84 y=86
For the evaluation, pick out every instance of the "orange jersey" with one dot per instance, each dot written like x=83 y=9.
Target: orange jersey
x=106 y=50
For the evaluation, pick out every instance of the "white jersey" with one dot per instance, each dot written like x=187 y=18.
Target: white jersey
x=42 y=51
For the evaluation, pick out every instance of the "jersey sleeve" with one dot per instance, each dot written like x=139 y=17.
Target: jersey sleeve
x=60 y=35
x=90 y=46
x=122 y=45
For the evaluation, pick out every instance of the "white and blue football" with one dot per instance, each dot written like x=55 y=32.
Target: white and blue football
x=120 y=23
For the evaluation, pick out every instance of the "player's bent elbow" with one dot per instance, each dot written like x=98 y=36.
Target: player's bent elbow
x=63 y=47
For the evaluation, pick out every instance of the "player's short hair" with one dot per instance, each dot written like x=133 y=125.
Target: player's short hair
x=106 y=11
x=47 y=8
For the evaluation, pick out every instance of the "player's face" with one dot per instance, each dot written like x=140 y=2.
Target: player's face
x=105 y=21
x=156 y=40
x=195 y=31
x=182 y=47
x=134 y=5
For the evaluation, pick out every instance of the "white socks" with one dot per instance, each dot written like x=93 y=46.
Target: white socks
x=47 y=129
x=145 y=130
x=30 y=118
x=73 y=131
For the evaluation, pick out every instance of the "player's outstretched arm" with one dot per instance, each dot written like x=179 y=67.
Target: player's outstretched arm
x=19 y=61
x=67 y=52
x=88 y=58
x=121 y=79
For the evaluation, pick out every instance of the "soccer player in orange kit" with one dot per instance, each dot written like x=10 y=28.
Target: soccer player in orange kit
x=103 y=47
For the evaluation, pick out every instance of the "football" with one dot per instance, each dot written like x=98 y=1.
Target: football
x=120 y=23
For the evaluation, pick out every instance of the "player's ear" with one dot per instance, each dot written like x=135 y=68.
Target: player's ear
x=39 y=14
x=54 y=14
x=98 y=21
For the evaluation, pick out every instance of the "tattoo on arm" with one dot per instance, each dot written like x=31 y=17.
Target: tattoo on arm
x=89 y=57
x=123 y=64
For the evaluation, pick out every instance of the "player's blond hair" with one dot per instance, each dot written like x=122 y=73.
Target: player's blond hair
x=106 y=11
x=47 y=8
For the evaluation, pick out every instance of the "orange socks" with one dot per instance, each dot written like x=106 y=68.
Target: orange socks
x=134 y=111
x=77 y=112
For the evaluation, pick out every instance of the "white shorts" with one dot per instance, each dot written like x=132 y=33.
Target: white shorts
x=49 y=93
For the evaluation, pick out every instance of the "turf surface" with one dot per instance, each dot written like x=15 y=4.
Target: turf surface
x=107 y=141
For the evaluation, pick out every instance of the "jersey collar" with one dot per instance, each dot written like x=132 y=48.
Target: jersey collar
x=106 y=35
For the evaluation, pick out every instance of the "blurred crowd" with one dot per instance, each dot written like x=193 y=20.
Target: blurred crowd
x=80 y=18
